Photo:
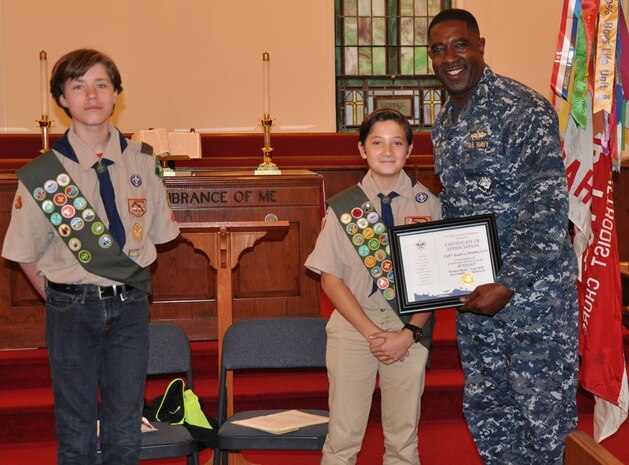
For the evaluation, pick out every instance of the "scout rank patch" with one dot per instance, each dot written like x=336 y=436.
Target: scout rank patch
x=137 y=207
x=369 y=236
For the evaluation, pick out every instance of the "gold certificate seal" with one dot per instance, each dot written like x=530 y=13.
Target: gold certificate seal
x=467 y=279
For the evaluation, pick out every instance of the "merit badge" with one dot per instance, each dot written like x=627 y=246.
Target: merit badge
x=137 y=232
x=363 y=250
x=382 y=283
x=373 y=244
x=60 y=199
x=362 y=223
x=72 y=191
x=56 y=219
x=74 y=244
x=357 y=212
x=351 y=228
x=137 y=207
x=367 y=207
x=346 y=218
x=77 y=223
x=63 y=179
x=18 y=202
x=387 y=265
x=51 y=186
x=373 y=217
x=80 y=203
x=64 y=230
x=368 y=233
x=376 y=272
x=39 y=193
x=421 y=197
x=370 y=261
x=68 y=211
x=358 y=240
x=85 y=256
x=136 y=180
x=389 y=294
x=379 y=228
x=88 y=215
x=98 y=228
x=48 y=206
x=105 y=241
x=380 y=255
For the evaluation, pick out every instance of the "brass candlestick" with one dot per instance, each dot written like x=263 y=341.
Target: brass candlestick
x=44 y=124
x=267 y=166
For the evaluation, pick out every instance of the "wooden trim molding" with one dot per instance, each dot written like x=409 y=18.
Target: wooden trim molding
x=229 y=151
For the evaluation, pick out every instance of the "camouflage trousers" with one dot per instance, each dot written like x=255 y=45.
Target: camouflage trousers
x=521 y=376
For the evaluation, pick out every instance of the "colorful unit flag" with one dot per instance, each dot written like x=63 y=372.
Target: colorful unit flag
x=591 y=66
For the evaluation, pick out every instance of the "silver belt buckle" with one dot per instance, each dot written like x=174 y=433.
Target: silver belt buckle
x=122 y=293
x=100 y=292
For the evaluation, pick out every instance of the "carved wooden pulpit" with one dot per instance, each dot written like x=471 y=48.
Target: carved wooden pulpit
x=223 y=243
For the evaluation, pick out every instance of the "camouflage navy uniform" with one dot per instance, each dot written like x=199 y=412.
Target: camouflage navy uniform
x=501 y=155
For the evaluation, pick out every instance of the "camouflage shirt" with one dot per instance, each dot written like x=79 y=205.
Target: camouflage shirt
x=501 y=154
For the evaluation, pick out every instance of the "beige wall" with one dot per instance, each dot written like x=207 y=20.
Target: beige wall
x=521 y=37
x=197 y=63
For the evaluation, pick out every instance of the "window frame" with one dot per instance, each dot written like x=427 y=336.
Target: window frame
x=418 y=96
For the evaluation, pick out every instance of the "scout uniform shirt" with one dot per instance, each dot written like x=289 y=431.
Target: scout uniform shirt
x=335 y=254
x=140 y=199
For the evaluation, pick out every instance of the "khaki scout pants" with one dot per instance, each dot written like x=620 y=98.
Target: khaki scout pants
x=352 y=371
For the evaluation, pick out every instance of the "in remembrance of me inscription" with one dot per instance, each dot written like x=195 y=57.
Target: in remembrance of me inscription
x=222 y=197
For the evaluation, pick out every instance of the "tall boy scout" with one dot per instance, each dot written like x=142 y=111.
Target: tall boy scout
x=84 y=223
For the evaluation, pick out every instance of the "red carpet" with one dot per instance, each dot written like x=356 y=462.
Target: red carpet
x=27 y=420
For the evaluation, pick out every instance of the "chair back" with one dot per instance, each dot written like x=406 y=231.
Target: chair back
x=169 y=351
x=275 y=343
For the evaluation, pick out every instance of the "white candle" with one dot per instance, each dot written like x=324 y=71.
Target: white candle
x=43 y=73
x=266 y=85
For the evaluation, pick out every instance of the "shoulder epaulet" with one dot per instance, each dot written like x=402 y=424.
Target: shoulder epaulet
x=146 y=149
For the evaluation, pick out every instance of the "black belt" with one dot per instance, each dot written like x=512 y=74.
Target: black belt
x=102 y=292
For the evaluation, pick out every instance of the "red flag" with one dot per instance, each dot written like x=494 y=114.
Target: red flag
x=603 y=369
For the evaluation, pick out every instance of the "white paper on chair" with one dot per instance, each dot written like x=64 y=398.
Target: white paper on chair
x=282 y=422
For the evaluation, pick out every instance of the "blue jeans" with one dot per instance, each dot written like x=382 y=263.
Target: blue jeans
x=92 y=343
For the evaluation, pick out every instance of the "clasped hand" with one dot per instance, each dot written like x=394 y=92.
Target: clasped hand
x=389 y=347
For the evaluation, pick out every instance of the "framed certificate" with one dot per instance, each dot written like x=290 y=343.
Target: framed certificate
x=436 y=263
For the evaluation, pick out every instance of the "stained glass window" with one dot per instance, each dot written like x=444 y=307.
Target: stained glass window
x=382 y=60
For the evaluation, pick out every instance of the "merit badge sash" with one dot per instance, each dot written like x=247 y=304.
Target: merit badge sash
x=370 y=239
x=369 y=236
x=77 y=223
